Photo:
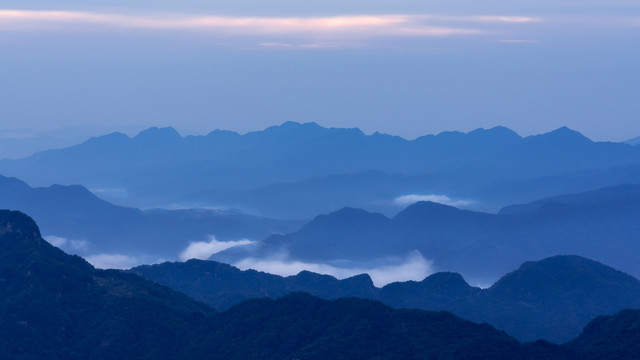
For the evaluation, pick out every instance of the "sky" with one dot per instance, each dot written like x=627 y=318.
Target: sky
x=72 y=69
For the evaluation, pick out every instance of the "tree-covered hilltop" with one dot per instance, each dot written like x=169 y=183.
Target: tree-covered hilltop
x=57 y=306
x=551 y=299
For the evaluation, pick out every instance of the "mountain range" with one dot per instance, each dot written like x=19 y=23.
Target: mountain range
x=551 y=299
x=88 y=225
x=58 y=306
x=301 y=170
x=600 y=225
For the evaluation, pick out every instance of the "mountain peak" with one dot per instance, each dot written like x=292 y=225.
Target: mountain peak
x=23 y=249
x=427 y=209
x=565 y=131
x=156 y=133
x=449 y=279
x=293 y=125
x=633 y=142
x=561 y=272
x=361 y=280
x=562 y=134
x=349 y=214
x=17 y=225
x=496 y=131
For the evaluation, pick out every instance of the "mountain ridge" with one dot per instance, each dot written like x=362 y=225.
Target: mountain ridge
x=222 y=161
x=73 y=213
x=553 y=298
x=58 y=306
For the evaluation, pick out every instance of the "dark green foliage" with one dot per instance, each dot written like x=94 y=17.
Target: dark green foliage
x=304 y=327
x=551 y=299
x=614 y=337
x=221 y=285
x=56 y=306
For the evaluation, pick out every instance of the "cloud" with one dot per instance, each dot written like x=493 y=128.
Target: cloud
x=56 y=241
x=359 y=25
x=17 y=134
x=407 y=200
x=497 y=19
x=516 y=41
x=317 y=45
x=413 y=267
x=276 y=45
x=71 y=245
x=204 y=249
x=115 y=191
x=112 y=261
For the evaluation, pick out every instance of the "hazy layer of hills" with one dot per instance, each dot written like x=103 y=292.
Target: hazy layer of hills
x=93 y=226
x=601 y=225
x=58 y=306
x=551 y=299
x=301 y=170
x=379 y=195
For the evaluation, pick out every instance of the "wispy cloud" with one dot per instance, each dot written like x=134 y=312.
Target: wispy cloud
x=362 y=25
x=17 y=134
x=407 y=200
x=498 y=19
x=518 y=41
x=413 y=267
x=276 y=45
x=112 y=261
x=56 y=241
x=482 y=19
x=204 y=249
x=71 y=245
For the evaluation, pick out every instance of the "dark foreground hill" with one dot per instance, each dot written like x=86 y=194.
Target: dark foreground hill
x=551 y=299
x=74 y=213
x=56 y=306
x=610 y=337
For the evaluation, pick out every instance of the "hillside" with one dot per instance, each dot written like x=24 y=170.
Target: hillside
x=600 y=225
x=58 y=306
x=74 y=214
x=550 y=299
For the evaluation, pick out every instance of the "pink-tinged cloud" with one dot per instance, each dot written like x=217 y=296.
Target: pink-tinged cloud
x=362 y=25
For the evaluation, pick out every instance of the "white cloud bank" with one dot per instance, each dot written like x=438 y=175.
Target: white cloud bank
x=413 y=267
x=204 y=249
x=407 y=200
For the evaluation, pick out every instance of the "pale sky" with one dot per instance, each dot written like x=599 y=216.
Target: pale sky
x=402 y=67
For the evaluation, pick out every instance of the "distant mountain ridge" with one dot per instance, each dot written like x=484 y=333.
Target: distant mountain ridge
x=478 y=245
x=74 y=213
x=159 y=167
x=635 y=141
x=601 y=225
x=553 y=298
